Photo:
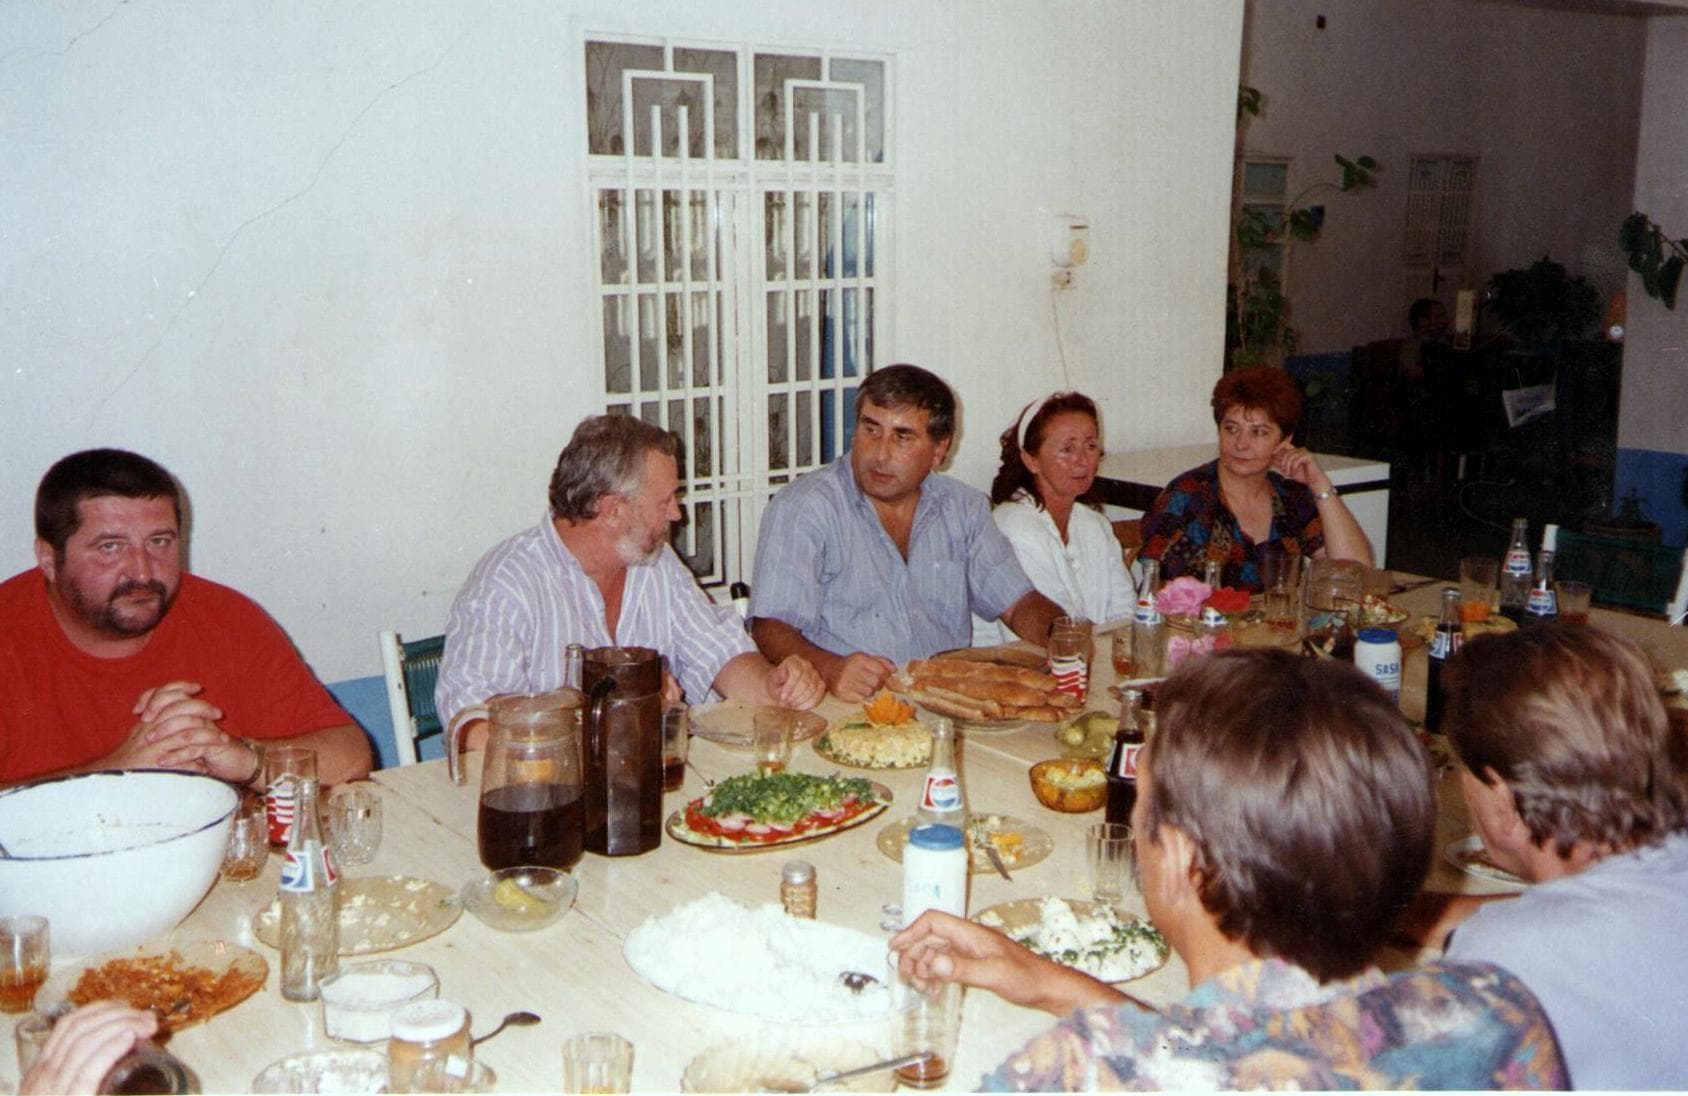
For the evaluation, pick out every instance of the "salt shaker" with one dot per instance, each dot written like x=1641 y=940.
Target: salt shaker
x=798 y=890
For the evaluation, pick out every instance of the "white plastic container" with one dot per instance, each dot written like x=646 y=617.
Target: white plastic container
x=934 y=871
x=1377 y=652
x=358 y=1003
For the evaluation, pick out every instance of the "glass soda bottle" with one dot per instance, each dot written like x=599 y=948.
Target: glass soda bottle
x=1122 y=763
x=940 y=795
x=1543 y=603
x=1148 y=629
x=1443 y=643
x=1514 y=579
x=310 y=928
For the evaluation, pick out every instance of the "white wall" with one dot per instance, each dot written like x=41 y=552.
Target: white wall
x=1547 y=99
x=1655 y=386
x=330 y=263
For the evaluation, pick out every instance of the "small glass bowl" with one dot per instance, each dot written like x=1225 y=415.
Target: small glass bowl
x=359 y=1000
x=342 y=1070
x=520 y=899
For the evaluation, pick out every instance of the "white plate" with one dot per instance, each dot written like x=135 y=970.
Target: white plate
x=729 y=723
x=1466 y=854
x=1036 y=844
x=379 y=914
x=1024 y=914
x=245 y=968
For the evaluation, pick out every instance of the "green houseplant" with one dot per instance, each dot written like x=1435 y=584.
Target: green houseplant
x=1653 y=255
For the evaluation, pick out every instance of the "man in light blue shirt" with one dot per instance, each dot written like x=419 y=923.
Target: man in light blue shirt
x=872 y=560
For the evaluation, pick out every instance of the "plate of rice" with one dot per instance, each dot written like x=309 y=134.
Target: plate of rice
x=759 y=962
x=1087 y=936
x=885 y=736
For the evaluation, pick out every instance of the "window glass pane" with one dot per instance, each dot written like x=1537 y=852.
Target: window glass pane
x=805 y=429
x=612 y=258
x=604 y=64
x=647 y=225
x=700 y=524
x=772 y=71
x=618 y=348
x=675 y=334
x=723 y=66
x=821 y=117
x=778 y=428
x=776 y=337
x=805 y=335
x=1264 y=179
x=650 y=345
x=671 y=98
x=871 y=75
x=805 y=204
x=705 y=324
x=774 y=205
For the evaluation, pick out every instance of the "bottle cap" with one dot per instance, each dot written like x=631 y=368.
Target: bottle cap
x=936 y=836
x=797 y=871
x=428 y=1021
x=1378 y=635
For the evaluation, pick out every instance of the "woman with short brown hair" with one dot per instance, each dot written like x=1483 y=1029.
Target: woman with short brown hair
x=1262 y=490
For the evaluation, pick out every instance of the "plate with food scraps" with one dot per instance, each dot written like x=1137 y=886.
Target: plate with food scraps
x=1018 y=842
x=1088 y=936
x=1469 y=856
x=186 y=983
x=759 y=961
x=1380 y=612
x=730 y=723
x=379 y=914
x=752 y=813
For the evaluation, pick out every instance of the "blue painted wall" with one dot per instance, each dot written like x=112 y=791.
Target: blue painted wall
x=1656 y=478
x=365 y=698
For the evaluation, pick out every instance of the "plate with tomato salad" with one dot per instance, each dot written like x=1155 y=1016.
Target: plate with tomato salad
x=751 y=812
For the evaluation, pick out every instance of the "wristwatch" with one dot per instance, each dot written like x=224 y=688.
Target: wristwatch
x=258 y=755
x=1323 y=495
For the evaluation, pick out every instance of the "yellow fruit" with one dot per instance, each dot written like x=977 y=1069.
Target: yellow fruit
x=510 y=895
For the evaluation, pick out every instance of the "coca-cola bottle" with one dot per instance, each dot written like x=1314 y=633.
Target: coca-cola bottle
x=1122 y=763
x=940 y=796
x=1443 y=643
x=310 y=928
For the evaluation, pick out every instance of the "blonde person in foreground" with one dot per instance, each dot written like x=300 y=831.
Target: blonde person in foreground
x=1043 y=501
x=1285 y=816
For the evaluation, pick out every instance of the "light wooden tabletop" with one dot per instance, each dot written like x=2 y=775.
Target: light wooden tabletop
x=573 y=974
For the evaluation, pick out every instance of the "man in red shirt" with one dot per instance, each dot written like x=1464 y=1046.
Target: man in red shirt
x=111 y=657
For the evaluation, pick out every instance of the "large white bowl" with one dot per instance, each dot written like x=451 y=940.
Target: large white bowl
x=112 y=859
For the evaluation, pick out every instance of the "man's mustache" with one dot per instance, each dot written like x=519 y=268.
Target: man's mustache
x=154 y=587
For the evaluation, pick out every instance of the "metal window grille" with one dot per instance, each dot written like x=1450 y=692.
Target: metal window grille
x=743 y=202
x=1441 y=200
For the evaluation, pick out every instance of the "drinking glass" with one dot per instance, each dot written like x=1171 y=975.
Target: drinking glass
x=354 y=823
x=676 y=729
x=30 y=1036
x=1072 y=642
x=923 y=1021
x=1109 y=848
x=1573 y=599
x=24 y=958
x=598 y=1061
x=249 y=840
x=771 y=739
x=1124 y=666
x=1477 y=578
x=284 y=767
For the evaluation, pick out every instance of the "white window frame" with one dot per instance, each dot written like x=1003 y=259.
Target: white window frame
x=736 y=489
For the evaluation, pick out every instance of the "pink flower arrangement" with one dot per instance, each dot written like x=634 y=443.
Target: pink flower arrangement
x=1183 y=596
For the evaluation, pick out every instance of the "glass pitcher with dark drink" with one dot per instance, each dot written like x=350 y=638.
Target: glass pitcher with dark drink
x=623 y=738
x=532 y=793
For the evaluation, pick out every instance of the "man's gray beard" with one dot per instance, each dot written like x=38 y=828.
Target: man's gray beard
x=627 y=549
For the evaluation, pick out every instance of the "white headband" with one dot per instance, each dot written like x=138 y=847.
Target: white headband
x=1030 y=413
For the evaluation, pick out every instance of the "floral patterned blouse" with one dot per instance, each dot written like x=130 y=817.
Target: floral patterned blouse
x=1268 y=1024
x=1190 y=524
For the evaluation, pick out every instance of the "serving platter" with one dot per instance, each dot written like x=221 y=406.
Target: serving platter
x=212 y=976
x=1468 y=855
x=1139 y=950
x=677 y=829
x=730 y=723
x=1034 y=847
x=379 y=914
x=822 y=747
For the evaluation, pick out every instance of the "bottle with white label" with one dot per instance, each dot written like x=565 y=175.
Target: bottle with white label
x=1148 y=629
x=1544 y=602
x=1377 y=652
x=934 y=871
x=940 y=796
x=1514 y=580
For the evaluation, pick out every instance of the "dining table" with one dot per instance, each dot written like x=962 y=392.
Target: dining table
x=573 y=972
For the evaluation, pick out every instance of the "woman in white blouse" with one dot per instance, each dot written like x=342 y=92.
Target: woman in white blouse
x=1045 y=507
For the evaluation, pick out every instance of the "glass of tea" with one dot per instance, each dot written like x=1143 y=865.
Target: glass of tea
x=771 y=739
x=924 y=1022
x=24 y=958
x=249 y=840
x=676 y=732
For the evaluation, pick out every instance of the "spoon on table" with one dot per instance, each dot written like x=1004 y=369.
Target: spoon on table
x=767 y=1084
x=515 y=1019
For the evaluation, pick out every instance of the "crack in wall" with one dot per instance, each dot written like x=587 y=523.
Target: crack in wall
x=6 y=58
x=240 y=229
